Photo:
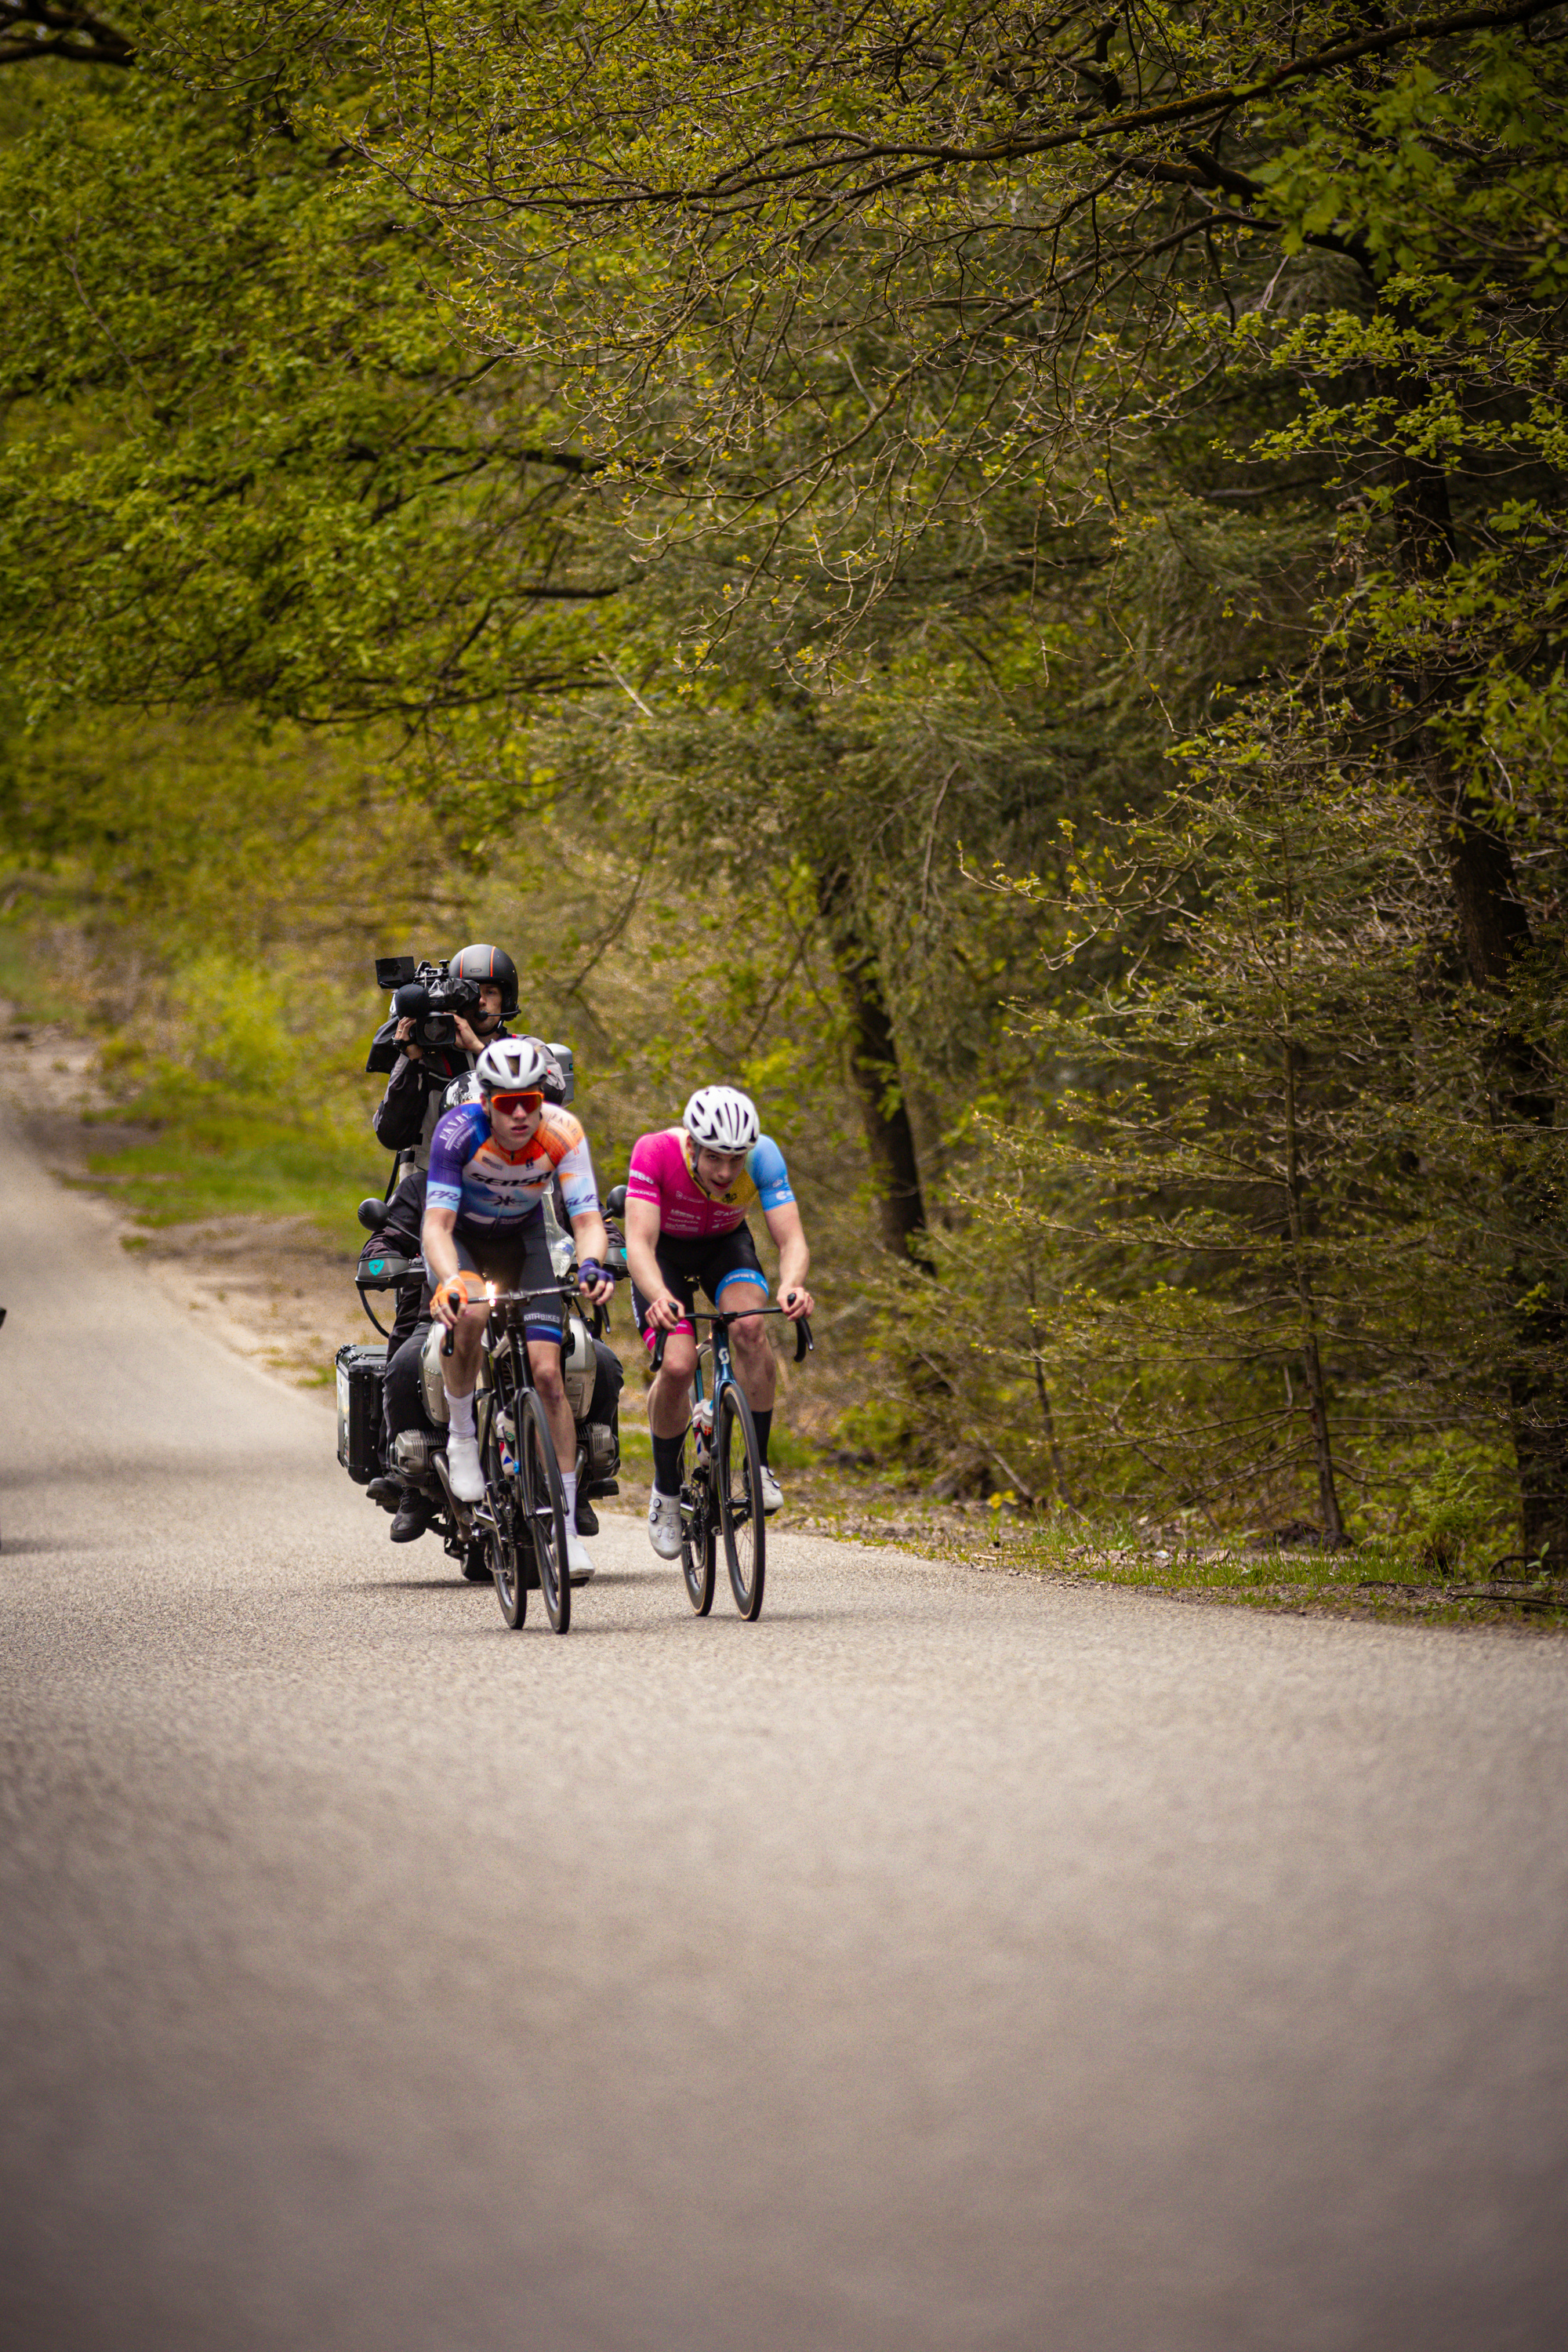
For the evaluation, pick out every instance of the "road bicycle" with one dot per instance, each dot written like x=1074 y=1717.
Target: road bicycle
x=522 y=1519
x=417 y=1459
x=723 y=1494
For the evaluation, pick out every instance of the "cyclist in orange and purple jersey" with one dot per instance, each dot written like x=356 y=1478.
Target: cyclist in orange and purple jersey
x=492 y=1163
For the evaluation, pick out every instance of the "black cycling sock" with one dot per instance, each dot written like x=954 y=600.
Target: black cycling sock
x=667 y=1454
x=763 y=1423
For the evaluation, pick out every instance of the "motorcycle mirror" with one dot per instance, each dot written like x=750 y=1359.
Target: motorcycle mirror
x=373 y=1216
x=617 y=1201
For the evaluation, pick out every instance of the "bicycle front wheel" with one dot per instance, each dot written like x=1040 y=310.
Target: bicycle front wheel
x=504 y=1554
x=739 y=1471
x=546 y=1510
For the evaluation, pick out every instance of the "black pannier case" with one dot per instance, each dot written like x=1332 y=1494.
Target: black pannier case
x=359 y=1410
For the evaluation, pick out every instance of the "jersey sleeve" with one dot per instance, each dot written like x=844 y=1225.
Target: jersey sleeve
x=450 y=1152
x=765 y=1167
x=568 y=1148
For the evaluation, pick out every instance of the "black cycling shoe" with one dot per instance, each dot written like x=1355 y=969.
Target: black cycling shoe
x=413 y=1516
x=587 y=1517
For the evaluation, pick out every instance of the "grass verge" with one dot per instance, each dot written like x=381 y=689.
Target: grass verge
x=239 y=1165
x=1382 y=1579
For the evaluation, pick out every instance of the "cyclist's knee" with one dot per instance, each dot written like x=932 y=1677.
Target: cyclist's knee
x=544 y=1363
x=749 y=1334
x=679 y=1357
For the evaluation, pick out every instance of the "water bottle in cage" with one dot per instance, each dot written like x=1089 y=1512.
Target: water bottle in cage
x=702 y=1427
x=506 y=1437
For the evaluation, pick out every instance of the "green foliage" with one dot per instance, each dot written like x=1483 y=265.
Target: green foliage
x=1449 y=1511
x=244 y=455
x=228 y=1163
x=758 y=487
x=1263 y=1231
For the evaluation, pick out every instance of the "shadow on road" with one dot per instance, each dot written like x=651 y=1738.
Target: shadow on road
x=417 y=1584
x=10 y=1546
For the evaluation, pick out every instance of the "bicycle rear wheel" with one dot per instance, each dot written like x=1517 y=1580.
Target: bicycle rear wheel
x=699 y=1544
x=739 y=1471
x=508 y=1565
x=546 y=1510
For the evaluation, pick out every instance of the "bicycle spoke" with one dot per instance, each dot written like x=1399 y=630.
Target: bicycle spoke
x=740 y=1487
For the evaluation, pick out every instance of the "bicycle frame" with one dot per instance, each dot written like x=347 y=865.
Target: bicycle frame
x=521 y=1515
x=709 y=1500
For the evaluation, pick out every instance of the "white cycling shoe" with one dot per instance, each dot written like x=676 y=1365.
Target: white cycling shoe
x=463 y=1471
x=664 y=1523
x=773 y=1493
x=579 y=1565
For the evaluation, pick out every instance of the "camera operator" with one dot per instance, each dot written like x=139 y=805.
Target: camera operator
x=399 y=1233
x=405 y=1116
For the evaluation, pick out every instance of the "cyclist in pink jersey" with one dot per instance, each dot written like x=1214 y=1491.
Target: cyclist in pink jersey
x=688 y=1193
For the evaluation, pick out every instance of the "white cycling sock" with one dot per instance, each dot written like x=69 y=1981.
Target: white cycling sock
x=460 y=1410
x=569 y=1497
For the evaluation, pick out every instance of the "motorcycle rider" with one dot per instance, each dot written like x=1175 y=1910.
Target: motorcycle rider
x=492 y=1163
x=398 y=1234
x=420 y=1075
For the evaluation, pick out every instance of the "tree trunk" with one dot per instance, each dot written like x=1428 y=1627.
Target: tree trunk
x=1494 y=932
x=1311 y=1358
x=1043 y=1394
x=874 y=1073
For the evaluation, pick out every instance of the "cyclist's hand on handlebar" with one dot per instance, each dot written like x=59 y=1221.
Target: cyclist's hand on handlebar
x=448 y=1298
x=797 y=1303
x=594 y=1281
x=665 y=1311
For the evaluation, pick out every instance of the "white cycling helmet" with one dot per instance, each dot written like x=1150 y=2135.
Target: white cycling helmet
x=461 y=1090
x=512 y=1065
x=722 y=1117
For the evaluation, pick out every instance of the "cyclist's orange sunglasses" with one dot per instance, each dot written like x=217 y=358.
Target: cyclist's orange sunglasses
x=530 y=1098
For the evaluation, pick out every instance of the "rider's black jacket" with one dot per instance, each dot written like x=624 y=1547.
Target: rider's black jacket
x=400 y=1117
x=398 y=1236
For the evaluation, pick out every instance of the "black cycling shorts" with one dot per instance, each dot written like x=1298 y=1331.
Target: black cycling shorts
x=711 y=1260
x=514 y=1257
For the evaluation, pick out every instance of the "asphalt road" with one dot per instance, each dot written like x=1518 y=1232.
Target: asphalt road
x=949 y=1960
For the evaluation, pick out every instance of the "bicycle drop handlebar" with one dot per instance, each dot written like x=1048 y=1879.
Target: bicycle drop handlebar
x=569 y=1288
x=803 y=1339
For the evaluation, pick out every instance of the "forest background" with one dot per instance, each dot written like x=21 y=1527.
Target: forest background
x=992 y=574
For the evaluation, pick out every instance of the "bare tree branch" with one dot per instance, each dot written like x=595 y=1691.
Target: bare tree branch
x=34 y=29
x=849 y=155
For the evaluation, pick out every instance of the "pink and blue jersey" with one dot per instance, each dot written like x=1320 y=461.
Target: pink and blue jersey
x=661 y=1173
x=495 y=1191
